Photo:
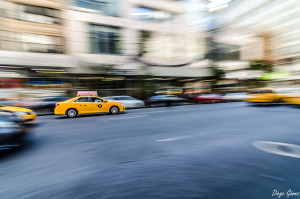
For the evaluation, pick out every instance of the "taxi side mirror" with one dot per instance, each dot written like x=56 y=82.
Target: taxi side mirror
x=104 y=101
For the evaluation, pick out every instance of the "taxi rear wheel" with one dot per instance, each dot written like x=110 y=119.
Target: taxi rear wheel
x=114 y=110
x=72 y=112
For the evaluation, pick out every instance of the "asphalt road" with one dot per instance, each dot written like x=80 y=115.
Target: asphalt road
x=194 y=151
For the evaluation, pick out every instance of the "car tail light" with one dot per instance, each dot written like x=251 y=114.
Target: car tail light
x=56 y=104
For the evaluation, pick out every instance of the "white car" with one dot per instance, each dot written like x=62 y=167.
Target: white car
x=232 y=97
x=127 y=101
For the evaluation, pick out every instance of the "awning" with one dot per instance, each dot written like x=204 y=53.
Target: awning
x=12 y=58
x=244 y=74
x=179 y=72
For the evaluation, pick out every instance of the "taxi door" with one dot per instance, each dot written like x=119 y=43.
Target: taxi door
x=98 y=105
x=266 y=96
x=82 y=105
x=270 y=96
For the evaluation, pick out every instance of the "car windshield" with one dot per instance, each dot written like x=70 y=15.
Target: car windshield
x=170 y=96
x=108 y=98
x=261 y=91
x=120 y=98
x=55 y=99
x=125 y=98
x=155 y=97
x=162 y=96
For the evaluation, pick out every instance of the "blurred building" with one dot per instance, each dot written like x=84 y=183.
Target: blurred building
x=32 y=38
x=100 y=44
x=266 y=30
x=134 y=37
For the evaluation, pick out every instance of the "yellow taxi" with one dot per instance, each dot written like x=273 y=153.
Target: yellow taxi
x=292 y=98
x=25 y=114
x=87 y=102
x=290 y=95
x=295 y=100
x=263 y=95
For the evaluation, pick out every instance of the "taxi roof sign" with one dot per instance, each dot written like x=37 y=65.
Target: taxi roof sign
x=87 y=93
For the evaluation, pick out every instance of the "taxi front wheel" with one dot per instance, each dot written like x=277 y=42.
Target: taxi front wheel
x=72 y=112
x=113 y=110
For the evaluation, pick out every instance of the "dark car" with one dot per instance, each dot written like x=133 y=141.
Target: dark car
x=208 y=98
x=43 y=104
x=167 y=100
x=12 y=130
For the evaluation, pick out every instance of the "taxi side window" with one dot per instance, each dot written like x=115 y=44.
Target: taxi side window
x=96 y=99
x=270 y=91
x=266 y=91
x=82 y=99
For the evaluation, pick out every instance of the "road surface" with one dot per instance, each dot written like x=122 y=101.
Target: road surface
x=193 y=151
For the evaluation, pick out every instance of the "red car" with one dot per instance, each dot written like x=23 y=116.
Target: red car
x=208 y=98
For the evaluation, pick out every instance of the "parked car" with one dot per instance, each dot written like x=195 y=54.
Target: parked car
x=167 y=100
x=9 y=102
x=263 y=95
x=234 y=97
x=293 y=100
x=290 y=95
x=128 y=101
x=12 y=130
x=42 y=104
x=208 y=98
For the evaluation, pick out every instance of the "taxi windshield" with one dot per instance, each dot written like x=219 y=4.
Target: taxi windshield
x=261 y=92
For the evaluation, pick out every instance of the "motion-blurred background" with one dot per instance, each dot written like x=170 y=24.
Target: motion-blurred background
x=150 y=53
x=142 y=47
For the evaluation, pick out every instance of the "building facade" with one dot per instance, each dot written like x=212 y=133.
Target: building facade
x=274 y=23
x=134 y=35
x=32 y=37
x=100 y=44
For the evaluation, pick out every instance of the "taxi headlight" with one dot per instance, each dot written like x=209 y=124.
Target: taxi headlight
x=122 y=104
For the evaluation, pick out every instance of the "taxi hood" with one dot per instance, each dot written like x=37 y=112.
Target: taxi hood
x=15 y=109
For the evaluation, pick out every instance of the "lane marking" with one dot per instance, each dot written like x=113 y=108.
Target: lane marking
x=272 y=177
x=156 y=111
x=208 y=132
x=278 y=148
x=124 y=117
x=173 y=139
